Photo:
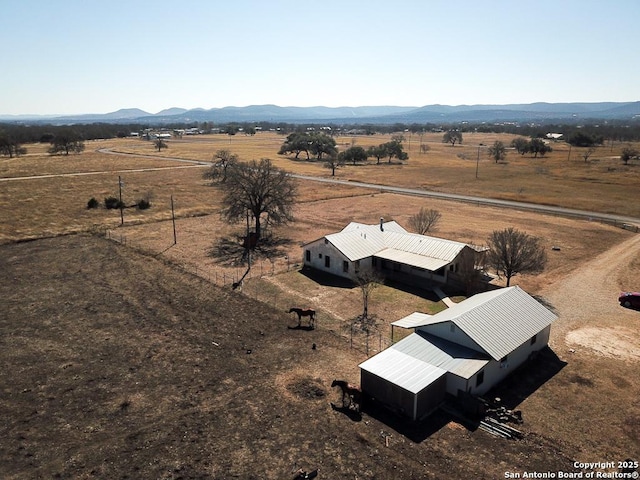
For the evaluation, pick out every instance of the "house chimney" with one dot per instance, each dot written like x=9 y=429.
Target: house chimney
x=381 y=224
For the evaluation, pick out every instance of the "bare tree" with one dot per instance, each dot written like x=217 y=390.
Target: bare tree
x=587 y=152
x=512 y=252
x=424 y=220
x=258 y=188
x=368 y=281
x=223 y=160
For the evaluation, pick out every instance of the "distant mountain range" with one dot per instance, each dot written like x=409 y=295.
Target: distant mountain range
x=439 y=114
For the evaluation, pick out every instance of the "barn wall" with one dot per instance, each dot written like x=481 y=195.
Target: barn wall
x=456 y=384
x=397 y=399
x=431 y=397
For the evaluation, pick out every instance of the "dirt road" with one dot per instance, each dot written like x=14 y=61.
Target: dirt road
x=591 y=319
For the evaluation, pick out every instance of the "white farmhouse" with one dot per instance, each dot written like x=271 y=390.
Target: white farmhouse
x=391 y=251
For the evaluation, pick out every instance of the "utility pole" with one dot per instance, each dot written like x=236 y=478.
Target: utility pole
x=173 y=219
x=121 y=204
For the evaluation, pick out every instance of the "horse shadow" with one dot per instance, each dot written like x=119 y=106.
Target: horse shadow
x=306 y=328
x=352 y=414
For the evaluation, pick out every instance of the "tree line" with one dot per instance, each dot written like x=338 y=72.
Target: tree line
x=321 y=145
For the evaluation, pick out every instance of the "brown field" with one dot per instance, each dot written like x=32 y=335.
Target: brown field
x=139 y=361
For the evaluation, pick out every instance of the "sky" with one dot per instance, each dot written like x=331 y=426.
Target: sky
x=91 y=56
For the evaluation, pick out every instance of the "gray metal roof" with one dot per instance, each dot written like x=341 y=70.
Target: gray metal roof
x=419 y=359
x=413 y=259
x=499 y=321
x=403 y=370
x=413 y=320
x=357 y=241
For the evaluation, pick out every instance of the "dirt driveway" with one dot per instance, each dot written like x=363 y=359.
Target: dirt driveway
x=590 y=318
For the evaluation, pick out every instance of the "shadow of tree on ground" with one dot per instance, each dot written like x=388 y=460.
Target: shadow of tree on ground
x=232 y=252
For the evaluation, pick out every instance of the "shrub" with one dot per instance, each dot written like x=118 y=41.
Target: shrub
x=113 y=202
x=93 y=203
x=143 y=204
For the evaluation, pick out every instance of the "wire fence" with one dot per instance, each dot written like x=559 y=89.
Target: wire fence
x=366 y=339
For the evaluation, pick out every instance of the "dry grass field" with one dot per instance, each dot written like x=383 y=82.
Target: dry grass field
x=135 y=361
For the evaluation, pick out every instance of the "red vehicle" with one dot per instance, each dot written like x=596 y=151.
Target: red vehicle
x=630 y=299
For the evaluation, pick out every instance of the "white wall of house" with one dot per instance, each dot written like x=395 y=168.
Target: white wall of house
x=496 y=371
x=323 y=256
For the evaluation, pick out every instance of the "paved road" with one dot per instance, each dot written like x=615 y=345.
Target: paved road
x=565 y=212
x=561 y=211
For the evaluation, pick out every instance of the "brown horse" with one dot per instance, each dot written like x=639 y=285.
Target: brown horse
x=304 y=312
x=352 y=392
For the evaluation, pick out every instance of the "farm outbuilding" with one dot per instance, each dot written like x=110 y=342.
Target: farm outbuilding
x=466 y=349
x=392 y=252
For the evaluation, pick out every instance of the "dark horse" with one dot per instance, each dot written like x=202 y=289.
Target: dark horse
x=304 y=312
x=352 y=392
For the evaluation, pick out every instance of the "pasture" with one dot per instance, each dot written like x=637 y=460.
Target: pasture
x=118 y=364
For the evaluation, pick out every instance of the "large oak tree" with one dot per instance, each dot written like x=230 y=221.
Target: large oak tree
x=258 y=188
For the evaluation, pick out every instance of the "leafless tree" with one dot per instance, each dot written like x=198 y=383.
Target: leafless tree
x=425 y=220
x=368 y=281
x=587 y=152
x=512 y=252
x=223 y=160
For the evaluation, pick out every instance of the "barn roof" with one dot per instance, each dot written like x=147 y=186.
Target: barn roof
x=419 y=359
x=392 y=242
x=499 y=321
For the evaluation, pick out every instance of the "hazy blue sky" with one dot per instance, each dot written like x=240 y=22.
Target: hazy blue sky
x=91 y=56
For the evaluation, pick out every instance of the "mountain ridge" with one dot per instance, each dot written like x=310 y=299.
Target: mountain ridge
x=386 y=114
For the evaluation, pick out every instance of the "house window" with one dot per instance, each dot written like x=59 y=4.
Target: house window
x=327 y=261
x=345 y=266
x=480 y=378
x=319 y=255
x=307 y=254
x=534 y=339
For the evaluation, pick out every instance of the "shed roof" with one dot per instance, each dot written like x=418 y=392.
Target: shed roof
x=499 y=321
x=413 y=320
x=403 y=370
x=419 y=359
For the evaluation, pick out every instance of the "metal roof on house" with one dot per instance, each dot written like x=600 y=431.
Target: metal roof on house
x=392 y=242
x=419 y=359
x=499 y=321
x=412 y=259
x=413 y=320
